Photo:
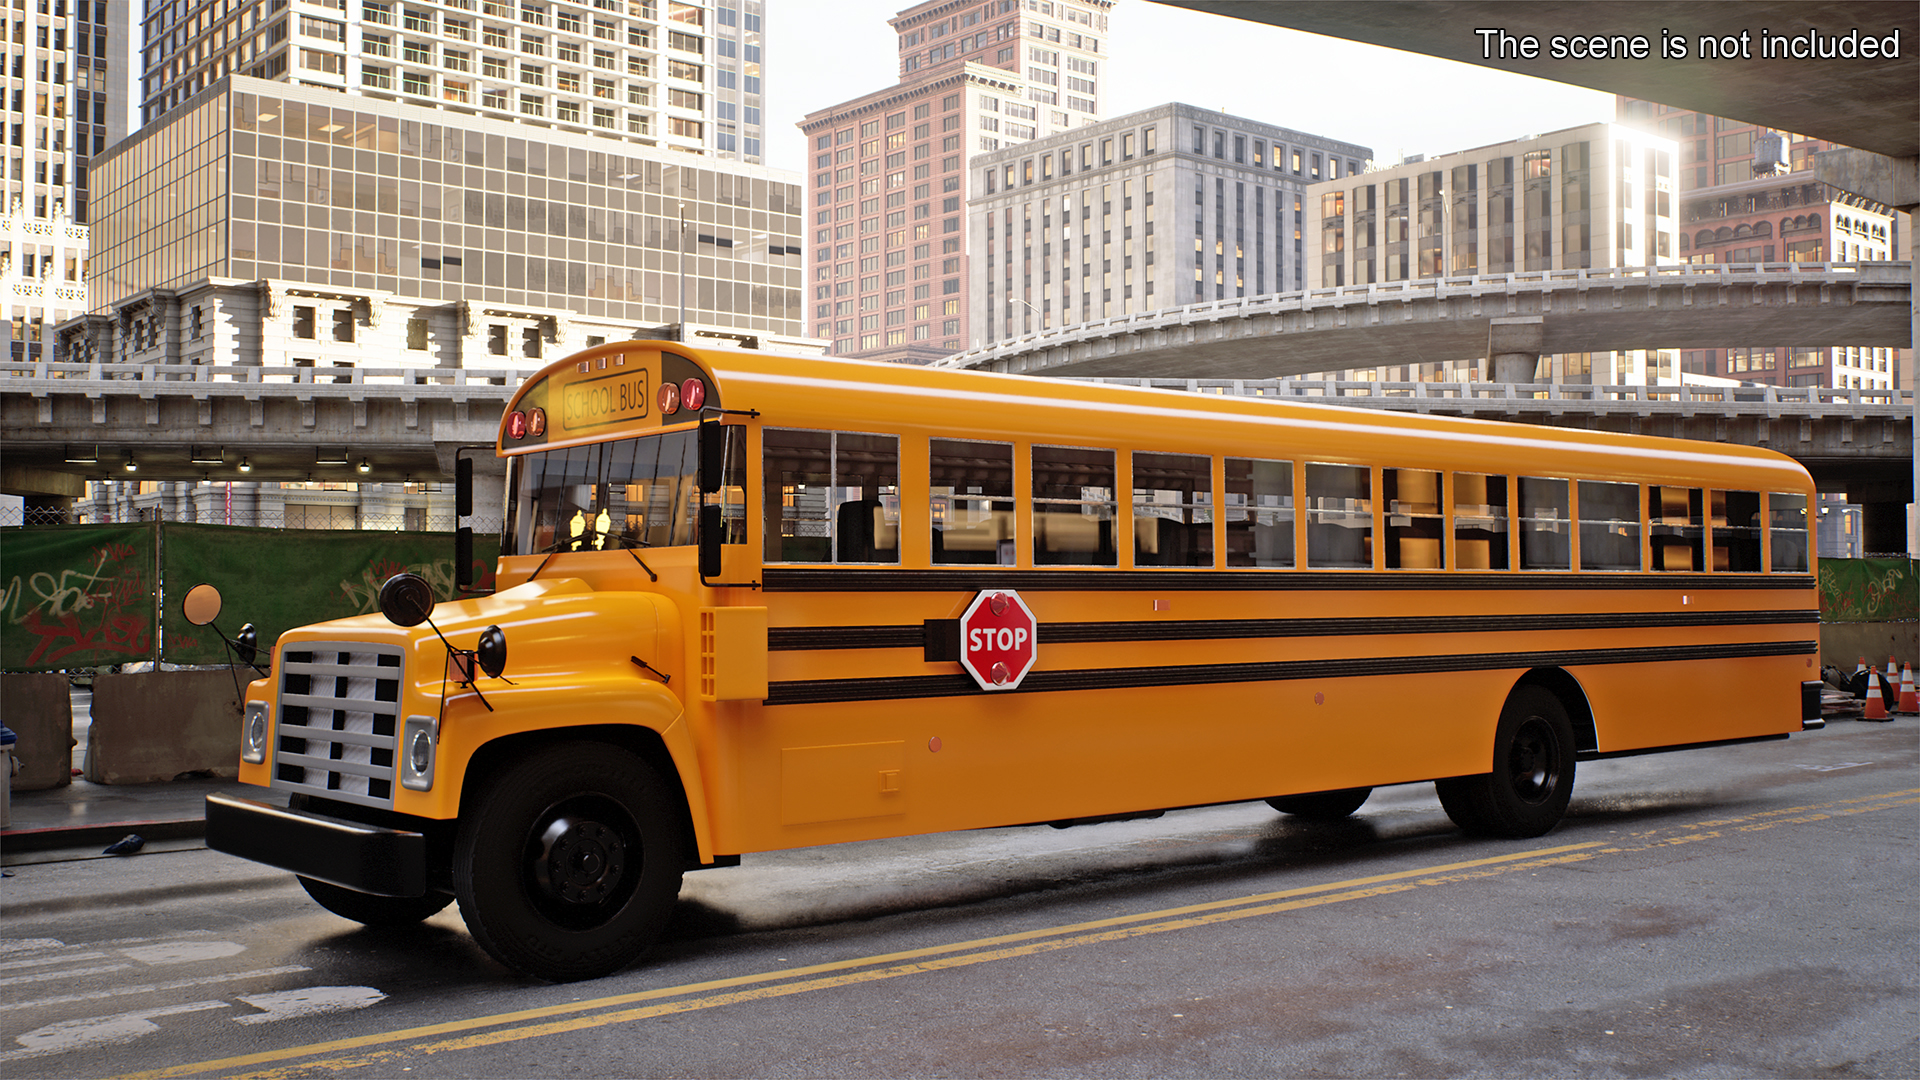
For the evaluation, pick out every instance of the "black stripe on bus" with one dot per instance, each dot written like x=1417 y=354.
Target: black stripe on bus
x=873 y=579
x=889 y=688
x=808 y=638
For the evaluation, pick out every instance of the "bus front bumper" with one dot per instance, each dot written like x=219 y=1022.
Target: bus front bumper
x=352 y=855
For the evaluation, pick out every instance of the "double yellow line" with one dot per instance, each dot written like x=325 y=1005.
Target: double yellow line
x=483 y=1031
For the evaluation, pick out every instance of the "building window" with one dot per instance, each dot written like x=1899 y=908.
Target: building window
x=303 y=324
x=343 y=324
x=416 y=334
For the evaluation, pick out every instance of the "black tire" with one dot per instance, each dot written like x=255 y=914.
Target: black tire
x=1527 y=792
x=569 y=867
x=375 y=910
x=1322 y=805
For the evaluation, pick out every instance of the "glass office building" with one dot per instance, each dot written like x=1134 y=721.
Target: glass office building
x=259 y=180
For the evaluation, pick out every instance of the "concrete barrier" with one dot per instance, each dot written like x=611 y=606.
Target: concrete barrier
x=1843 y=644
x=157 y=725
x=39 y=708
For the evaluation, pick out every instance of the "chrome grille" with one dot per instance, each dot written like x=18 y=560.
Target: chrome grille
x=339 y=721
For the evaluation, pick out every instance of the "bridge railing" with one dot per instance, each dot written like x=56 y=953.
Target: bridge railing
x=260 y=375
x=1693 y=275
x=1415 y=394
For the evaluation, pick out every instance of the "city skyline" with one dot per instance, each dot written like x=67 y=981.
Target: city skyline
x=1366 y=99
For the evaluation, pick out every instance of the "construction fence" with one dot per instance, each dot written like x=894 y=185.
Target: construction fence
x=85 y=596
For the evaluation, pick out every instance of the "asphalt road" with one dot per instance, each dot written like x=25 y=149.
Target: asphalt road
x=1741 y=912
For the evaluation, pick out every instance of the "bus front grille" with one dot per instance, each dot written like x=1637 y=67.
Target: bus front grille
x=339 y=721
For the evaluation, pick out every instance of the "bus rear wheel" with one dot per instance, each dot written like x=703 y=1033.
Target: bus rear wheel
x=1322 y=805
x=370 y=910
x=569 y=867
x=1527 y=792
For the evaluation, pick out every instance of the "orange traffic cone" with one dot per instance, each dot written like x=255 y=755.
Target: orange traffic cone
x=1909 y=700
x=1893 y=669
x=1876 y=704
x=1861 y=666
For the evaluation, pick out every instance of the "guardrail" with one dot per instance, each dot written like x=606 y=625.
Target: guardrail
x=260 y=375
x=1691 y=275
x=1384 y=394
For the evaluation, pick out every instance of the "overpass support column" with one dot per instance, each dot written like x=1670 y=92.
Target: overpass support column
x=1895 y=182
x=1513 y=349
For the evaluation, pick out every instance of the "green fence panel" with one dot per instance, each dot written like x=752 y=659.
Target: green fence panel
x=1869 y=590
x=76 y=596
x=279 y=579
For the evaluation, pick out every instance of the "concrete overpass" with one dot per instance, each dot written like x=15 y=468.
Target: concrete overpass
x=1436 y=319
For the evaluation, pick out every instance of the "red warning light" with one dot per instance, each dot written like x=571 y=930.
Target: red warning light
x=693 y=394
x=516 y=425
x=669 y=399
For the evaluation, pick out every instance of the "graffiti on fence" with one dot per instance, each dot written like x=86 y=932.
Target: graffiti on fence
x=76 y=600
x=364 y=594
x=1869 y=590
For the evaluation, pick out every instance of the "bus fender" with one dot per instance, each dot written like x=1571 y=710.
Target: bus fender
x=1565 y=686
x=686 y=761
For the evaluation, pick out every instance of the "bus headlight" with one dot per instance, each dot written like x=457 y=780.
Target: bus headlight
x=417 y=741
x=253 y=733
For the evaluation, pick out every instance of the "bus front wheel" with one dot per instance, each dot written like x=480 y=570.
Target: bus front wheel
x=1527 y=792
x=569 y=867
x=1322 y=805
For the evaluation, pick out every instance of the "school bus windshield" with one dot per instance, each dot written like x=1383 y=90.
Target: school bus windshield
x=626 y=493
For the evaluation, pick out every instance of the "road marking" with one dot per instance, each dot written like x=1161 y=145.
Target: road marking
x=151 y=988
x=124 y=1027
x=43 y=961
x=308 y=1001
x=469 y=1033
x=1837 y=766
x=184 y=952
x=65 y=973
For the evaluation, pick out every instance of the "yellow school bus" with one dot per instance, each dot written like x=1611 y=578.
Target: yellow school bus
x=749 y=602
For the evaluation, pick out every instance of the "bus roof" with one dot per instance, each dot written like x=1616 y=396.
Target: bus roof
x=855 y=395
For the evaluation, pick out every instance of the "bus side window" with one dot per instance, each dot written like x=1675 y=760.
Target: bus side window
x=1415 y=529
x=831 y=496
x=1609 y=526
x=1479 y=522
x=1339 y=516
x=1546 y=541
x=971 y=491
x=1736 y=531
x=1073 y=506
x=1172 y=510
x=1676 y=528
x=1259 y=510
x=1787 y=532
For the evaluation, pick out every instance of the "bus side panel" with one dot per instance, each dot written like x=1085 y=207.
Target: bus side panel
x=1680 y=702
x=812 y=774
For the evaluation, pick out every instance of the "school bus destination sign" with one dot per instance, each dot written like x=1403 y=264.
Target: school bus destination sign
x=636 y=389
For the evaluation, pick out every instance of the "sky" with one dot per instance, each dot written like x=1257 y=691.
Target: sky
x=1396 y=103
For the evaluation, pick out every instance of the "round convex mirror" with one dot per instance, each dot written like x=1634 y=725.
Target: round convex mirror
x=406 y=599
x=492 y=651
x=202 y=604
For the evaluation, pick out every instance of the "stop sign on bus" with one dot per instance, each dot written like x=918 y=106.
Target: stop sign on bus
x=998 y=639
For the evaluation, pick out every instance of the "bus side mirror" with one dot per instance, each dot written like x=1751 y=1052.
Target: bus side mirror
x=463 y=534
x=713 y=459
x=712 y=529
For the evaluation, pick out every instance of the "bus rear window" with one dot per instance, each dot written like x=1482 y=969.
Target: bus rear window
x=1736 y=531
x=1609 y=526
x=1259 y=510
x=1339 y=516
x=1787 y=532
x=1676 y=528
x=832 y=496
x=971 y=492
x=1479 y=522
x=1545 y=525
x=1073 y=506
x=1172 y=510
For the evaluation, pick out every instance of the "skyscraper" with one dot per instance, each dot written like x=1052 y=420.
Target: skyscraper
x=888 y=186
x=667 y=73
x=56 y=100
x=1748 y=195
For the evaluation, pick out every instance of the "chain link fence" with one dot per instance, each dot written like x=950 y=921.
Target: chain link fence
x=326 y=518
